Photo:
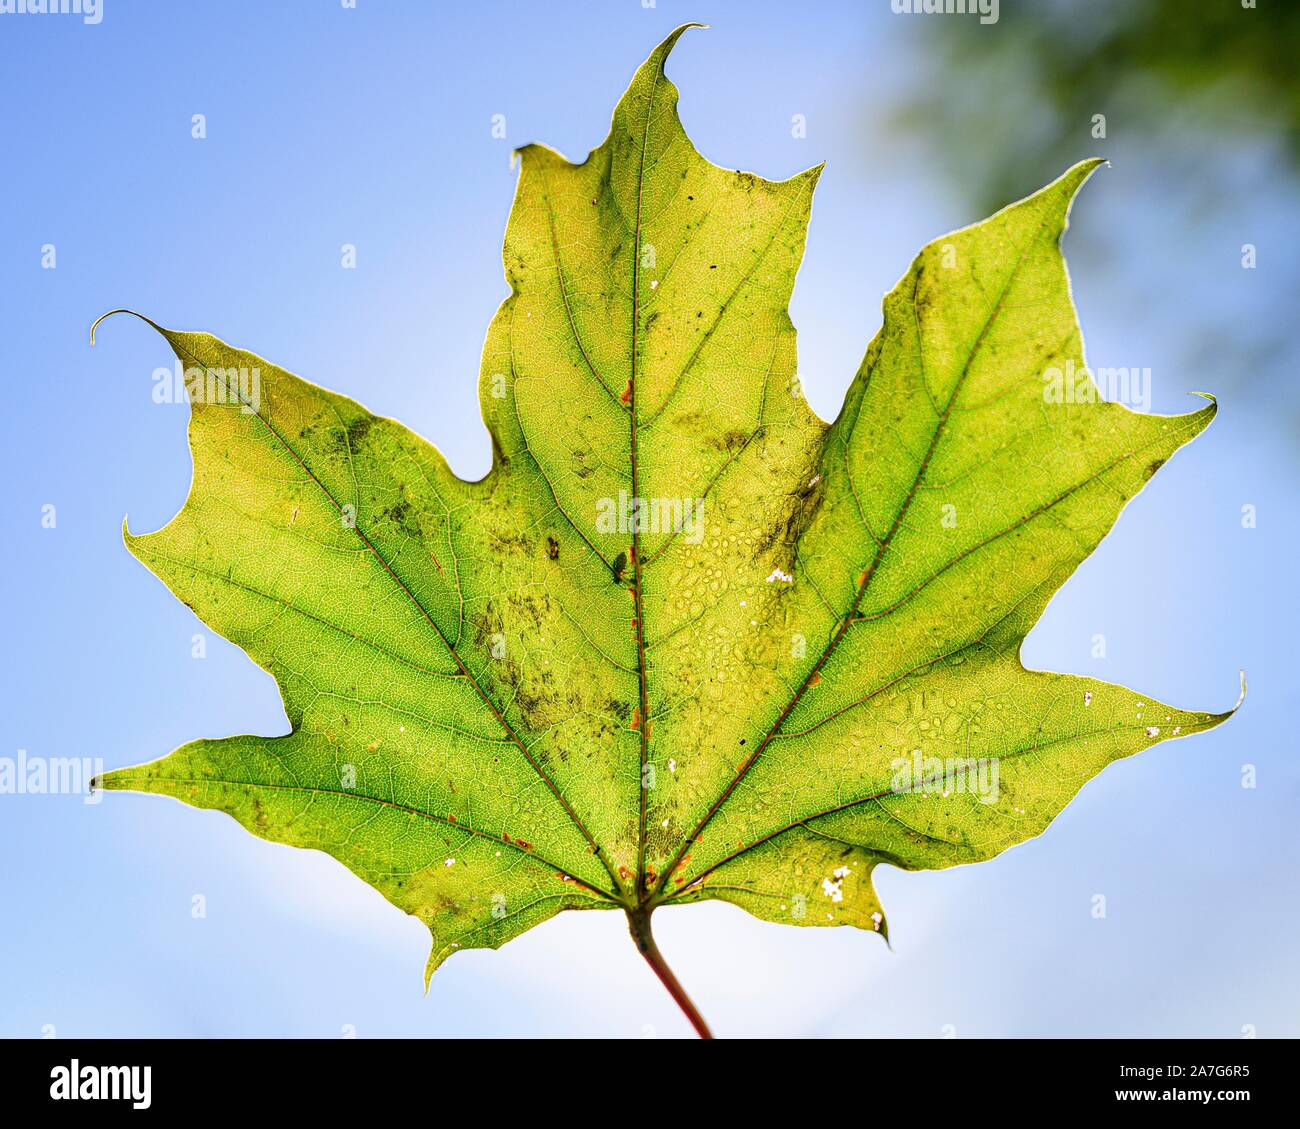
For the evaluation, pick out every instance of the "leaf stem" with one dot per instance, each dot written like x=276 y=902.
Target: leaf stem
x=638 y=921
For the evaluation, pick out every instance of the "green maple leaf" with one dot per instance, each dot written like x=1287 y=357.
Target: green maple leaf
x=798 y=659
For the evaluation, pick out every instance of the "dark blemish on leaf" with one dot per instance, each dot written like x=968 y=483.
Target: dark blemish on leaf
x=552 y=548
x=530 y=685
x=403 y=516
x=730 y=440
x=1155 y=466
x=358 y=429
x=498 y=453
x=509 y=544
x=619 y=567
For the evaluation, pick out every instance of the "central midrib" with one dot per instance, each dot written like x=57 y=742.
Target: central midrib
x=640 y=893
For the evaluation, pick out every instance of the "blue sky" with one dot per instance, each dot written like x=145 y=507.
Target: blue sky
x=328 y=126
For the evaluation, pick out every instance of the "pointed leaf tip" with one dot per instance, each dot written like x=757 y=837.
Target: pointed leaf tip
x=122 y=310
x=95 y=324
x=660 y=54
x=1076 y=176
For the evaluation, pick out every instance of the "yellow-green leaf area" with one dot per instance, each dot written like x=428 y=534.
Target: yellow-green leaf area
x=685 y=640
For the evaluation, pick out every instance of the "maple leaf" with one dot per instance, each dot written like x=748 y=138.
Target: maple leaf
x=685 y=640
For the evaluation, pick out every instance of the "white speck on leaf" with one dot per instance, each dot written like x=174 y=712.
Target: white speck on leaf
x=833 y=888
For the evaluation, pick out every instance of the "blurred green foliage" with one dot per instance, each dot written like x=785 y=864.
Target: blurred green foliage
x=1146 y=64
